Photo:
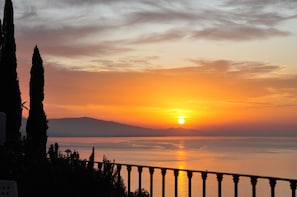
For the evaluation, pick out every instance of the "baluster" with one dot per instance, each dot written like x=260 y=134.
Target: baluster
x=235 y=180
x=151 y=180
x=99 y=166
x=254 y=183
x=204 y=176
x=272 y=183
x=163 y=171
x=129 y=168
x=119 y=167
x=219 y=178
x=190 y=175
x=293 y=188
x=176 y=171
x=139 y=180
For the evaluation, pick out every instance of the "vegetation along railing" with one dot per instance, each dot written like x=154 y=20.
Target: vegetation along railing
x=253 y=179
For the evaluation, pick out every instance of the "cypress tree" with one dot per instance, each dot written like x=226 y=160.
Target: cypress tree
x=10 y=99
x=37 y=123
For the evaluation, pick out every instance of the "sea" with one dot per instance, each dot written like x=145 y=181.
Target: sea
x=261 y=156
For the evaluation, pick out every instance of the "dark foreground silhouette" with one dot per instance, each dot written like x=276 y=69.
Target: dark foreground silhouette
x=62 y=175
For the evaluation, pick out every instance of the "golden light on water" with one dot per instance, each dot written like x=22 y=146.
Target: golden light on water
x=181 y=164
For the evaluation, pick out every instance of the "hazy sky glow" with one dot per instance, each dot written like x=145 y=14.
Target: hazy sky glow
x=147 y=62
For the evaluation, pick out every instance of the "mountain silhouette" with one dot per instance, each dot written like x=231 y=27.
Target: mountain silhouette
x=91 y=127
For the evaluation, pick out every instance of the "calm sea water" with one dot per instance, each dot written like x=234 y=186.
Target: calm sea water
x=245 y=155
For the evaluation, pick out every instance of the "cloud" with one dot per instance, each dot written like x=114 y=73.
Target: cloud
x=161 y=16
x=27 y=13
x=127 y=64
x=238 y=33
x=111 y=2
x=262 y=12
x=96 y=28
x=100 y=28
x=158 y=37
x=261 y=4
x=215 y=24
x=243 y=24
x=89 y=2
x=246 y=69
x=68 y=41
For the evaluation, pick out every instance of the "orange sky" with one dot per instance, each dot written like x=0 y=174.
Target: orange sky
x=205 y=95
x=219 y=64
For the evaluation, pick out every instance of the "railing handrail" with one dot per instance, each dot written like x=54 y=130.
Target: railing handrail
x=204 y=174
x=208 y=172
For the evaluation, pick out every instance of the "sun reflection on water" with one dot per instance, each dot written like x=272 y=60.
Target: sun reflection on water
x=181 y=157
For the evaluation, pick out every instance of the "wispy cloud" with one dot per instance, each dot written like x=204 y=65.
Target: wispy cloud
x=111 y=27
x=69 y=41
x=226 y=21
x=153 y=38
x=237 y=33
x=246 y=69
x=127 y=64
x=261 y=4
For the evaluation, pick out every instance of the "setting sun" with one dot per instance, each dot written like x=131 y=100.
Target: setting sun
x=181 y=120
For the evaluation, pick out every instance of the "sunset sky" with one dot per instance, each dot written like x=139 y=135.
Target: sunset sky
x=216 y=63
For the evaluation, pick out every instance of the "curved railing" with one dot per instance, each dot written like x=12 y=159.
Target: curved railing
x=272 y=181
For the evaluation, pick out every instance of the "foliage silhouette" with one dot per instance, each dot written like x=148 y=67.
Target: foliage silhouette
x=61 y=175
x=37 y=123
x=142 y=193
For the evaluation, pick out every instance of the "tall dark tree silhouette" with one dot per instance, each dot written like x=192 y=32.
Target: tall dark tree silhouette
x=37 y=123
x=10 y=99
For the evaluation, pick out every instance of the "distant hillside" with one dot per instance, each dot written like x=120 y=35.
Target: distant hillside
x=90 y=127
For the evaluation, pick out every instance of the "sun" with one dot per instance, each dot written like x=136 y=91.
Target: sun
x=181 y=120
